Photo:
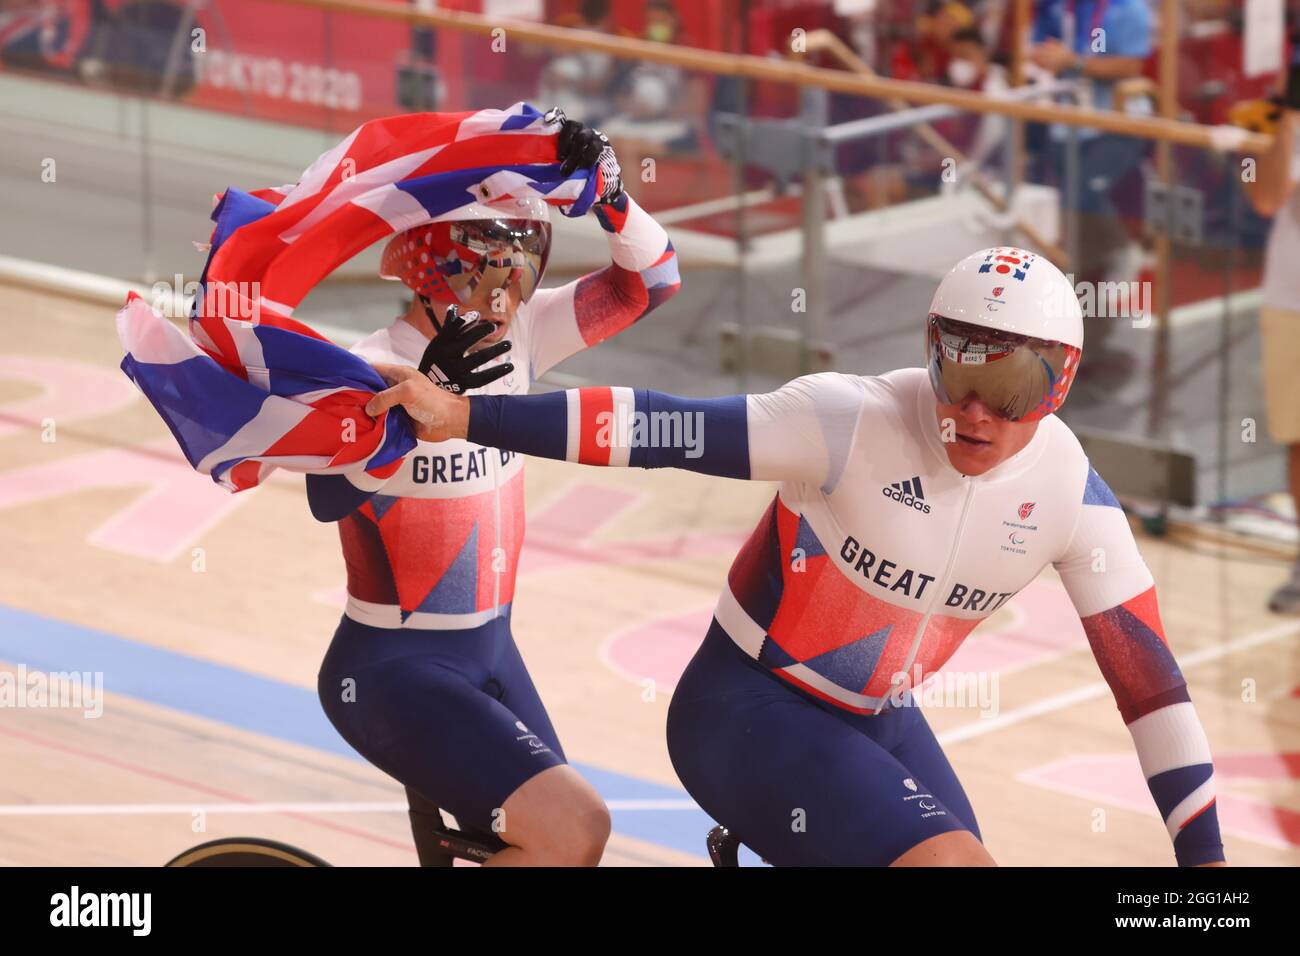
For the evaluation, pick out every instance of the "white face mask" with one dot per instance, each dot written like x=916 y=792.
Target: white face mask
x=962 y=72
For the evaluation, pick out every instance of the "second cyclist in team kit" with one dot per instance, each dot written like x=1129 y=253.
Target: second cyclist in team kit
x=443 y=701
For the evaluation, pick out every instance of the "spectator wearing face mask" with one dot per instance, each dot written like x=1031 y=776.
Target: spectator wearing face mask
x=652 y=91
x=935 y=33
x=656 y=106
x=970 y=67
x=582 y=80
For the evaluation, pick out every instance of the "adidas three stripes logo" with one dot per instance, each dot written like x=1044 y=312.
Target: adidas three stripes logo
x=907 y=493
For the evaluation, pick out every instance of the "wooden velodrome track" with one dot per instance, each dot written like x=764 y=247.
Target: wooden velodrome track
x=208 y=614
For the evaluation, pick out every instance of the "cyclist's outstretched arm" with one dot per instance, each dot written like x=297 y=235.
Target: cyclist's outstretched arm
x=801 y=432
x=1114 y=593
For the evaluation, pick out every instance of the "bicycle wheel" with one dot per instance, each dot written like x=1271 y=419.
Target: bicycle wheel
x=245 y=851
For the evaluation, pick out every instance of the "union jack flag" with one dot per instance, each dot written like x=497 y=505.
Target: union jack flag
x=251 y=389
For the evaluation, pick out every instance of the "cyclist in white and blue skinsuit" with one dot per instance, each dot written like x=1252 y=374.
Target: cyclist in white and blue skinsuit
x=911 y=506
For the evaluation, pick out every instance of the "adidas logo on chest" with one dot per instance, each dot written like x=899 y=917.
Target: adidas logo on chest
x=908 y=493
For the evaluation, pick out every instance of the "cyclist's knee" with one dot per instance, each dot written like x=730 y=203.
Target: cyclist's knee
x=557 y=818
x=579 y=838
x=955 y=848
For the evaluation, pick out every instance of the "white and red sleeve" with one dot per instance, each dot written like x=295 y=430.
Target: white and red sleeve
x=1114 y=594
x=641 y=276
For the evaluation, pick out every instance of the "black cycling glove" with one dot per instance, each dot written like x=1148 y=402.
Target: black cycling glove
x=581 y=147
x=445 y=360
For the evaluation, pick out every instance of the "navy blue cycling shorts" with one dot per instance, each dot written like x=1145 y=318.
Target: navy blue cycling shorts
x=802 y=782
x=451 y=714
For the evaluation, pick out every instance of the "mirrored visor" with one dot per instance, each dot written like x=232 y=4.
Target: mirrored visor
x=1016 y=376
x=497 y=254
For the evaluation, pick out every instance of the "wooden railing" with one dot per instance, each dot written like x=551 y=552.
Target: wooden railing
x=1224 y=138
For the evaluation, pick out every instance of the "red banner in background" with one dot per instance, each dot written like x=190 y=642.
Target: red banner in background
x=310 y=67
x=296 y=64
x=258 y=58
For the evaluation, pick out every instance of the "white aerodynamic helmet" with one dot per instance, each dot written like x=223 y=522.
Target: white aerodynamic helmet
x=1006 y=325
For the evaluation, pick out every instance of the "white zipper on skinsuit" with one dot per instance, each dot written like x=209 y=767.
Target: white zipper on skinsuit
x=941 y=584
x=496 y=500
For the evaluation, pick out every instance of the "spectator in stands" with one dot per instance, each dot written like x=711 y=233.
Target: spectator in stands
x=934 y=37
x=977 y=136
x=951 y=49
x=650 y=92
x=657 y=107
x=582 y=81
x=971 y=67
x=1102 y=42
x=1275 y=192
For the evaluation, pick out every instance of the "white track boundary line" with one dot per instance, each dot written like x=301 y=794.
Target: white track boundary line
x=188 y=809
x=1099 y=689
